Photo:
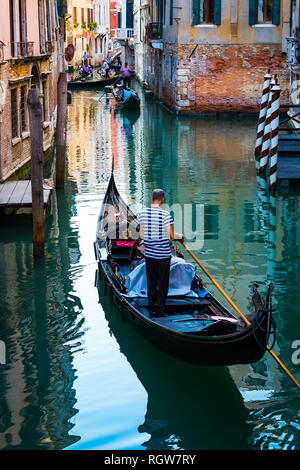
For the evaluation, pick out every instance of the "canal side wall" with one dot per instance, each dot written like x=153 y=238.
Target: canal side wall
x=212 y=79
x=215 y=65
x=34 y=62
x=216 y=78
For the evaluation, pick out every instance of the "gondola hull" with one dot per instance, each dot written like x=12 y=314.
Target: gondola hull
x=132 y=103
x=182 y=332
x=244 y=347
x=92 y=83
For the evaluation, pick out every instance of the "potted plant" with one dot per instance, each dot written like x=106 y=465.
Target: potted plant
x=76 y=24
x=83 y=25
x=93 y=25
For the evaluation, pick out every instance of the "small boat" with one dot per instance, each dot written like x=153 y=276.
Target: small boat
x=178 y=396
x=92 y=83
x=197 y=329
x=132 y=103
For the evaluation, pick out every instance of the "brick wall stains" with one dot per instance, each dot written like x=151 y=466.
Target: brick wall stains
x=216 y=78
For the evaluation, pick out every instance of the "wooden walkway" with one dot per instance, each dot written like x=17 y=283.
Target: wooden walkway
x=18 y=194
x=288 y=165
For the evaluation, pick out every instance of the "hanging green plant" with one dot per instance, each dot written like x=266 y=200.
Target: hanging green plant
x=76 y=24
x=83 y=25
x=93 y=25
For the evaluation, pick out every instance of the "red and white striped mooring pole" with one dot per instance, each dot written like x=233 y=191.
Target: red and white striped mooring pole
x=273 y=154
x=263 y=113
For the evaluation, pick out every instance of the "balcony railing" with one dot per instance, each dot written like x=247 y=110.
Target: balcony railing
x=22 y=49
x=100 y=29
x=123 y=33
x=155 y=31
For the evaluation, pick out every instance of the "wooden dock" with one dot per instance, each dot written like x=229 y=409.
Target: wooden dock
x=18 y=194
x=288 y=165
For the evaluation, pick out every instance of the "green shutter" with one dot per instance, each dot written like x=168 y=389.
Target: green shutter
x=276 y=12
x=217 y=12
x=196 y=11
x=252 y=12
x=129 y=15
x=171 y=12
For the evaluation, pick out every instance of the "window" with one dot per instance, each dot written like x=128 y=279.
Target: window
x=170 y=68
x=23 y=109
x=119 y=20
x=264 y=12
x=14 y=113
x=206 y=12
x=171 y=12
x=13 y=38
x=82 y=15
x=74 y=14
x=90 y=15
x=45 y=101
x=129 y=14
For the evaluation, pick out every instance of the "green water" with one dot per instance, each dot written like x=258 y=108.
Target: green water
x=75 y=376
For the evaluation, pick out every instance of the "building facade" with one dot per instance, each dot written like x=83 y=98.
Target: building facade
x=87 y=26
x=293 y=61
x=31 y=55
x=211 y=55
x=121 y=30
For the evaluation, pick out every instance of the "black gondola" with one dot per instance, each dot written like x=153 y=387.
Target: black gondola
x=196 y=330
x=132 y=103
x=92 y=83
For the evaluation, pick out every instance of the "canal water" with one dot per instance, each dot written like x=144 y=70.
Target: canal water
x=75 y=376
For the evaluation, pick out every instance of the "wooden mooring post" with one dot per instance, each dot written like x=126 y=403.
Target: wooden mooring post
x=36 y=143
x=61 y=129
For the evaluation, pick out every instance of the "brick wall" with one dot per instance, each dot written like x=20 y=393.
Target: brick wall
x=227 y=77
x=216 y=78
x=15 y=152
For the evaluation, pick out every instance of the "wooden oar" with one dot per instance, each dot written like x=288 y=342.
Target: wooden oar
x=239 y=312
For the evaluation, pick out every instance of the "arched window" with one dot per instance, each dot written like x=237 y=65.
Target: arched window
x=35 y=80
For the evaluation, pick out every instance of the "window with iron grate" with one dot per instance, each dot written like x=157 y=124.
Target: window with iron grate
x=14 y=113
x=23 y=109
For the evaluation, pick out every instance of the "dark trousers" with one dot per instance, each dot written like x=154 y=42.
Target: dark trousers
x=158 y=273
x=126 y=81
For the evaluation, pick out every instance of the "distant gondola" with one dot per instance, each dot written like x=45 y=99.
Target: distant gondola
x=196 y=330
x=91 y=83
x=132 y=103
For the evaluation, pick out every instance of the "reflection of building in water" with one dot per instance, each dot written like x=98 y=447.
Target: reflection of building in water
x=94 y=137
x=40 y=327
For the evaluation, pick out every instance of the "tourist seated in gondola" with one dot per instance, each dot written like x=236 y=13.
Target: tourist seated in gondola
x=197 y=284
x=125 y=94
x=174 y=252
x=137 y=254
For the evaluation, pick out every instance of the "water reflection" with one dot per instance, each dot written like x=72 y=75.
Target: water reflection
x=248 y=236
x=41 y=327
x=189 y=407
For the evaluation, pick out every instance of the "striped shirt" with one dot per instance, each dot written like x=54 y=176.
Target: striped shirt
x=157 y=242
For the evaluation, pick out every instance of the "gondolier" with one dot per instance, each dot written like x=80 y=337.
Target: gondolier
x=156 y=226
x=126 y=74
x=197 y=328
